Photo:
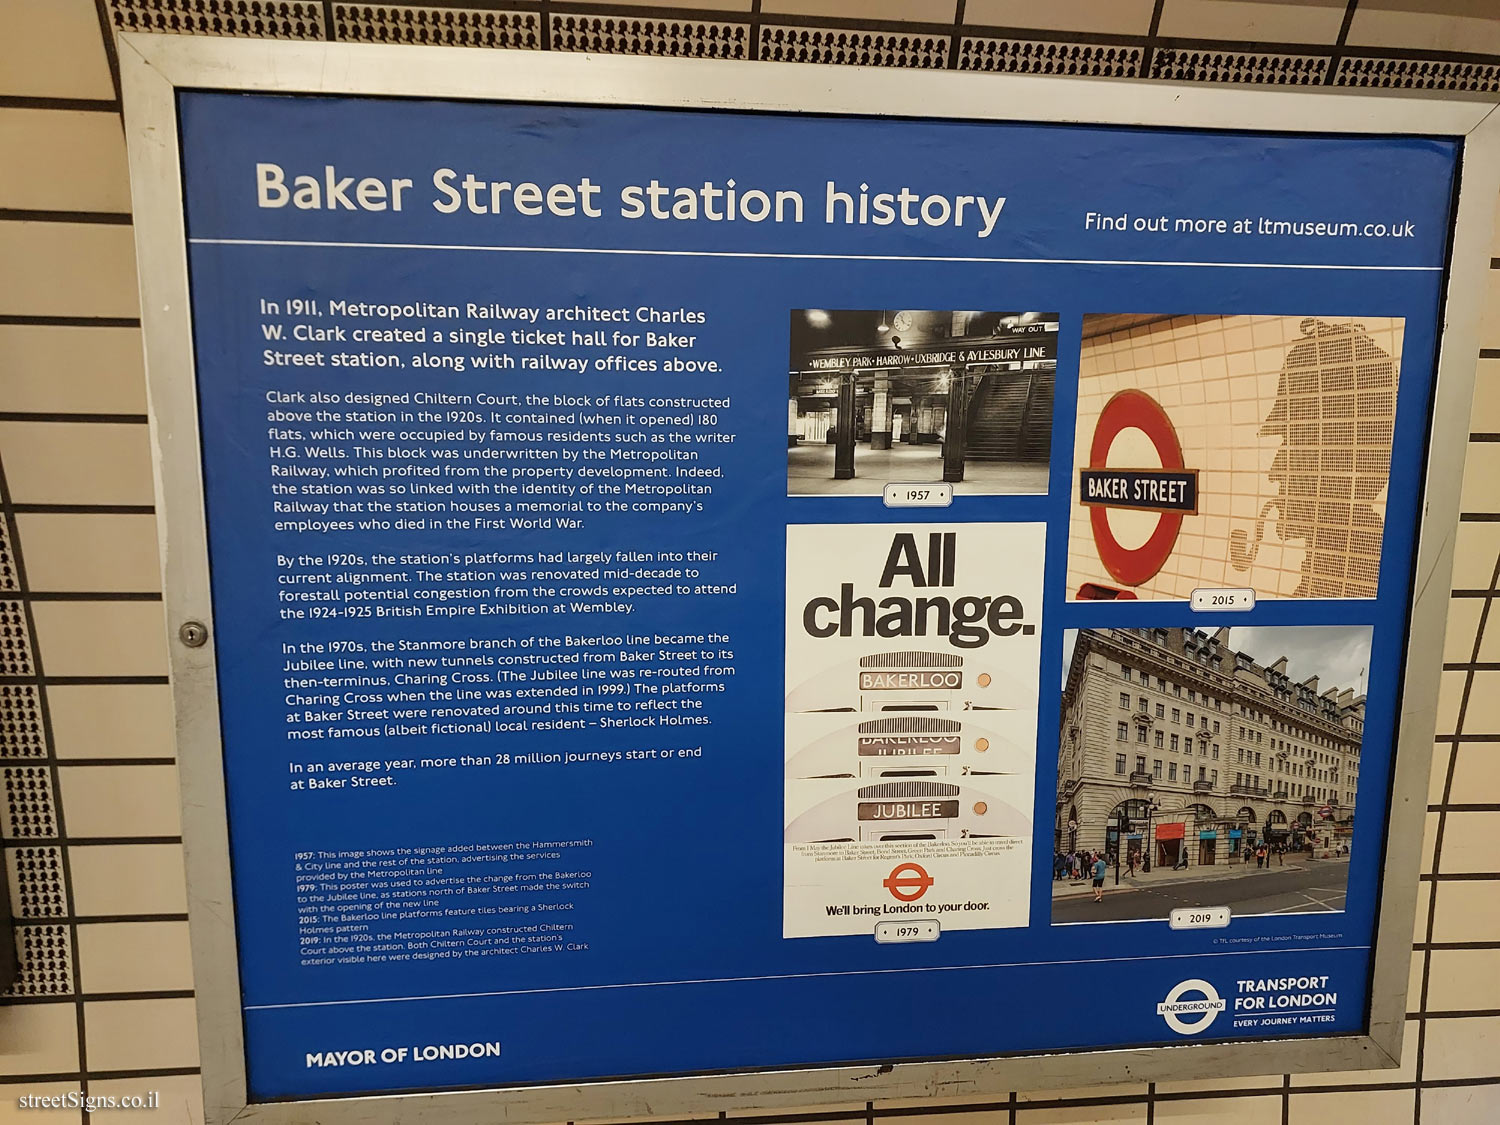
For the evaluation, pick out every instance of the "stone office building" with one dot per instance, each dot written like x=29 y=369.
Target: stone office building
x=1173 y=742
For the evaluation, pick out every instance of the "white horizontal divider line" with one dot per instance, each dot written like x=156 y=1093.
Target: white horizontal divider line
x=806 y=257
x=795 y=976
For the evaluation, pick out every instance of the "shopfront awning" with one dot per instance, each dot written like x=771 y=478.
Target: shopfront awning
x=1172 y=831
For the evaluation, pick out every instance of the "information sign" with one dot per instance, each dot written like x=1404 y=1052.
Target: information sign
x=571 y=727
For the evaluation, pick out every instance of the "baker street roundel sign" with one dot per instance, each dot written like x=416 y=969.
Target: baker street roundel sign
x=1170 y=488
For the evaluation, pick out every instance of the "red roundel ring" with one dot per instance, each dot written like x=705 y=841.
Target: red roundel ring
x=1132 y=409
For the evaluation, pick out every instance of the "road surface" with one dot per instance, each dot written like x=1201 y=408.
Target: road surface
x=1318 y=887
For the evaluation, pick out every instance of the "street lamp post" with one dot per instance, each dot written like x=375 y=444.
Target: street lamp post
x=1147 y=843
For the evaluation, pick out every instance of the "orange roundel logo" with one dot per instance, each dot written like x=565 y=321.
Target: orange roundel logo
x=908 y=882
x=1170 y=490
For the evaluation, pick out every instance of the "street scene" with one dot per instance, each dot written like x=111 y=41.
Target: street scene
x=1196 y=758
x=1297 y=885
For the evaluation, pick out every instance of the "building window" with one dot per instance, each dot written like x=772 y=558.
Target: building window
x=1122 y=732
x=1190 y=720
x=1216 y=726
x=1125 y=700
x=1140 y=735
x=1177 y=690
x=1172 y=771
x=1125 y=671
x=1156 y=769
x=1192 y=696
x=1239 y=778
x=1158 y=739
x=1215 y=777
x=1177 y=714
x=1140 y=763
x=1119 y=763
x=1216 y=751
x=1161 y=712
x=1144 y=705
x=1174 y=742
x=1239 y=754
x=1161 y=684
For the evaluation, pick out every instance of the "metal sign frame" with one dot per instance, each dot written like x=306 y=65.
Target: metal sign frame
x=155 y=68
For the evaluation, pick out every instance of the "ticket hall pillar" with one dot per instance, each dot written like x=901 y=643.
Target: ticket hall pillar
x=954 y=438
x=843 y=450
x=880 y=414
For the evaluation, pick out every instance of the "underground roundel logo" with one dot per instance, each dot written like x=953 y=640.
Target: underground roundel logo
x=908 y=882
x=1191 y=998
x=1171 y=489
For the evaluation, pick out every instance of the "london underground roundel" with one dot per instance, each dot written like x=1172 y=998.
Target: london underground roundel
x=1171 y=489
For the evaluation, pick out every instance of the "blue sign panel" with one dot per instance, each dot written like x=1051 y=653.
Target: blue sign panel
x=549 y=450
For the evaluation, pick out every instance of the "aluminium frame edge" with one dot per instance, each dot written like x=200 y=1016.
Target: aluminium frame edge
x=150 y=111
x=1457 y=367
x=154 y=68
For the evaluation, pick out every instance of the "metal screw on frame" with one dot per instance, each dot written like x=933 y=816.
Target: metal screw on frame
x=194 y=634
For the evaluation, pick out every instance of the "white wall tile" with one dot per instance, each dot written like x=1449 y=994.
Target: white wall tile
x=134 y=957
x=38 y=1039
x=75 y=269
x=120 y=800
x=104 y=553
x=140 y=1034
x=101 y=638
x=112 y=720
x=62 y=160
x=84 y=369
x=1431 y=25
x=1122 y=17
x=117 y=879
x=77 y=463
x=1310 y=21
x=53 y=49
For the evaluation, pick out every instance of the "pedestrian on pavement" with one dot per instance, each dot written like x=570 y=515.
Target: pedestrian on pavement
x=1280 y=855
x=1098 y=872
x=1130 y=864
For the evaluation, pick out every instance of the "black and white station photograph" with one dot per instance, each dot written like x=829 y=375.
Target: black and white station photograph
x=880 y=396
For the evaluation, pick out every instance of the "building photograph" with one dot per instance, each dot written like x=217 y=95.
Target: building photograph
x=1216 y=767
x=1232 y=451
x=919 y=396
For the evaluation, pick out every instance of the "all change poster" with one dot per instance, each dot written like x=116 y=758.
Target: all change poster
x=708 y=591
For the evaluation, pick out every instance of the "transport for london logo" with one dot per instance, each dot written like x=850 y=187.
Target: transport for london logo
x=1170 y=489
x=908 y=882
x=1181 y=1002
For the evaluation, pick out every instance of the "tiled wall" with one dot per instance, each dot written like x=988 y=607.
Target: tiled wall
x=88 y=815
x=1322 y=453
